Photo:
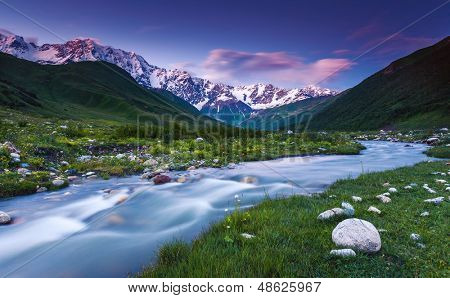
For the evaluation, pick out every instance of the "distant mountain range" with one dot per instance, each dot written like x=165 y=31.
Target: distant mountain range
x=210 y=98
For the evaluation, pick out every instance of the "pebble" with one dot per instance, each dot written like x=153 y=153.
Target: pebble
x=248 y=179
x=386 y=184
x=392 y=189
x=58 y=182
x=90 y=173
x=346 y=252
x=415 y=237
x=440 y=181
x=374 y=210
x=356 y=199
x=408 y=187
x=425 y=213
x=181 y=179
x=435 y=201
x=384 y=199
x=191 y=168
x=247 y=236
x=92 y=177
x=41 y=189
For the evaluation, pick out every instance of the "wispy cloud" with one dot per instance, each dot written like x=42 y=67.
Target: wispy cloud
x=342 y=51
x=276 y=67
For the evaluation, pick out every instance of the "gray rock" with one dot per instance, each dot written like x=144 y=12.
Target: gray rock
x=4 y=218
x=415 y=237
x=374 y=210
x=58 y=182
x=348 y=209
x=356 y=199
x=435 y=201
x=331 y=213
x=247 y=236
x=41 y=189
x=383 y=199
x=357 y=234
x=346 y=252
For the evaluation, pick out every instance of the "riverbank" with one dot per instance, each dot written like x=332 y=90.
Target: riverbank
x=39 y=154
x=289 y=240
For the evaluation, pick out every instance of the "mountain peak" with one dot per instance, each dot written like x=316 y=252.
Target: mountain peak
x=201 y=93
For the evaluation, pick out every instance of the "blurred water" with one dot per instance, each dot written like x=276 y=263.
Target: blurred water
x=80 y=231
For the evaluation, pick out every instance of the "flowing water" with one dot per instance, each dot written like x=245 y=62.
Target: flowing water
x=81 y=231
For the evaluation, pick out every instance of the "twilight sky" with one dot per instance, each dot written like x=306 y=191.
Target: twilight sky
x=285 y=42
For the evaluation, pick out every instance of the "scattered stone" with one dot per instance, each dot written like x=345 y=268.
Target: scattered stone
x=348 y=209
x=4 y=218
x=161 y=179
x=384 y=199
x=392 y=190
x=374 y=210
x=330 y=213
x=89 y=174
x=58 y=182
x=199 y=140
x=346 y=252
x=447 y=189
x=150 y=163
x=121 y=199
x=215 y=160
x=181 y=179
x=72 y=178
x=191 y=168
x=247 y=236
x=249 y=180
x=64 y=163
x=15 y=157
x=10 y=147
x=386 y=184
x=435 y=201
x=427 y=188
x=425 y=213
x=441 y=181
x=415 y=237
x=382 y=230
x=357 y=234
x=432 y=141
x=420 y=245
x=41 y=189
x=289 y=132
x=92 y=177
x=120 y=156
x=84 y=158
x=356 y=199
x=408 y=187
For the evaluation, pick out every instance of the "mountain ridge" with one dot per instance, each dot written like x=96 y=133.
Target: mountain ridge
x=208 y=97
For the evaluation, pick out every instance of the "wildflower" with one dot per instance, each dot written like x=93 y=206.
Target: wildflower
x=226 y=210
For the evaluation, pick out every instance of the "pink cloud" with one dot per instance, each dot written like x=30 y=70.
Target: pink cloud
x=364 y=31
x=236 y=66
x=341 y=51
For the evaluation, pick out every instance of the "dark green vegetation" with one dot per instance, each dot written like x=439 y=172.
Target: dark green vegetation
x=291 y=242
x=114 y=149
x=439 y=151
x=411 y=93
x=85 y=90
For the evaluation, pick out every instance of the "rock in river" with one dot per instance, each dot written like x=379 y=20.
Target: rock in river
x=58 y=182
x=4 y=218
x=161 y=179
x=357 y=234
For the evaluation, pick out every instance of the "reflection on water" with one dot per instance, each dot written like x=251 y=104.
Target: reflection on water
x=112 y=228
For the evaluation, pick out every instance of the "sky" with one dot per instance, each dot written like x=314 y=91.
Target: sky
x=288 y=43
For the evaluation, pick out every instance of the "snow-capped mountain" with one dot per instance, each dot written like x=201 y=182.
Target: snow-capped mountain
x=211 y=98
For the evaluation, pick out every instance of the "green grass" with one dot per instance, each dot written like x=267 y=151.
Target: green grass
x=439 y=151
x=291 y=242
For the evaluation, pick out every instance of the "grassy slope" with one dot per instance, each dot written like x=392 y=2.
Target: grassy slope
x=412 y=92
x=291 y=242
x=85 y=90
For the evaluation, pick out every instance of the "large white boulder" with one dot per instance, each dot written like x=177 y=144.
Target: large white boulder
x=4 y=218
x=357 y=234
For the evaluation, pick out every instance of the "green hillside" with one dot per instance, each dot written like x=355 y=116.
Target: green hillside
x=412 y=92
x=85 y=90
